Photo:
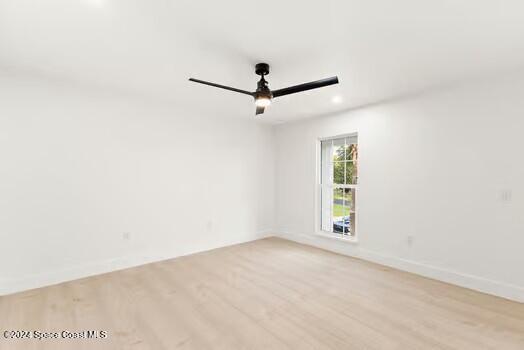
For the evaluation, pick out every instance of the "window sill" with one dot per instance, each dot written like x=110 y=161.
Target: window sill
x=350 y=239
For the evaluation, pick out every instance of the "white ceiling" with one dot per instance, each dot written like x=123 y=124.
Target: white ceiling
x=379 y=49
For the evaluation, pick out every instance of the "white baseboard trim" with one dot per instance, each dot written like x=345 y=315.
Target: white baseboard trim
x=500 y=289
x=11 y=286
x=77 y=272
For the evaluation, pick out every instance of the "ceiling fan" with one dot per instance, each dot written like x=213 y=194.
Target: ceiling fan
x=263 y=95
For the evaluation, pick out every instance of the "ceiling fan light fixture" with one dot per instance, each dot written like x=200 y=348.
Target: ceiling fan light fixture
x=262 y=101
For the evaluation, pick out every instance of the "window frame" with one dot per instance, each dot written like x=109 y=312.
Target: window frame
x=318 y=188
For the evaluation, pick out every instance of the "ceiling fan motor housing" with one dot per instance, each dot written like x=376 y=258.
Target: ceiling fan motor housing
x=262 y=88
x=262 y=69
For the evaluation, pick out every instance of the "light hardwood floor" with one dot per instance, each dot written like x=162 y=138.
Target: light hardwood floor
x=268 y=294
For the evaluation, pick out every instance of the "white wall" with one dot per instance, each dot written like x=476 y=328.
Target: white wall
x=79 y=169
x=435 y=167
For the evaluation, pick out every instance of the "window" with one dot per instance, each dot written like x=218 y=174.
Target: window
x=338 y=185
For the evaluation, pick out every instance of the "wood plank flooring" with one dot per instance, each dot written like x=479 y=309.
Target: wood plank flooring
x=267 y=294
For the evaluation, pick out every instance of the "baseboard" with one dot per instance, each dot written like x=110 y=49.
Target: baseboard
x=69 y=274
x=477 y=283
x=96 y=268
x=480 y=284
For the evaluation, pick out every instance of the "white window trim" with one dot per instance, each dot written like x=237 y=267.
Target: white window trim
x=318 y=204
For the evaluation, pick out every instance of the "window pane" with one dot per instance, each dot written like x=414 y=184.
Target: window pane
x=340 y=211
x=351 y=152
x=338 y=173
x=343 y=211
x=351 y=173
x=353 y=206
x=338 y=202
x=352 y=225
x=349 y=200
x=339 y=150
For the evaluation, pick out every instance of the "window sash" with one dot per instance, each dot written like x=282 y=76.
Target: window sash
x=327 y=185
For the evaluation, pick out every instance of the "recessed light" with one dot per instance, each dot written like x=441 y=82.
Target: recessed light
x=336 y=99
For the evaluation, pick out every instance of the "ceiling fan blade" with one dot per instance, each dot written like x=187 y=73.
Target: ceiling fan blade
x=221 y=86
x=306 y=86
x=260 y=110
